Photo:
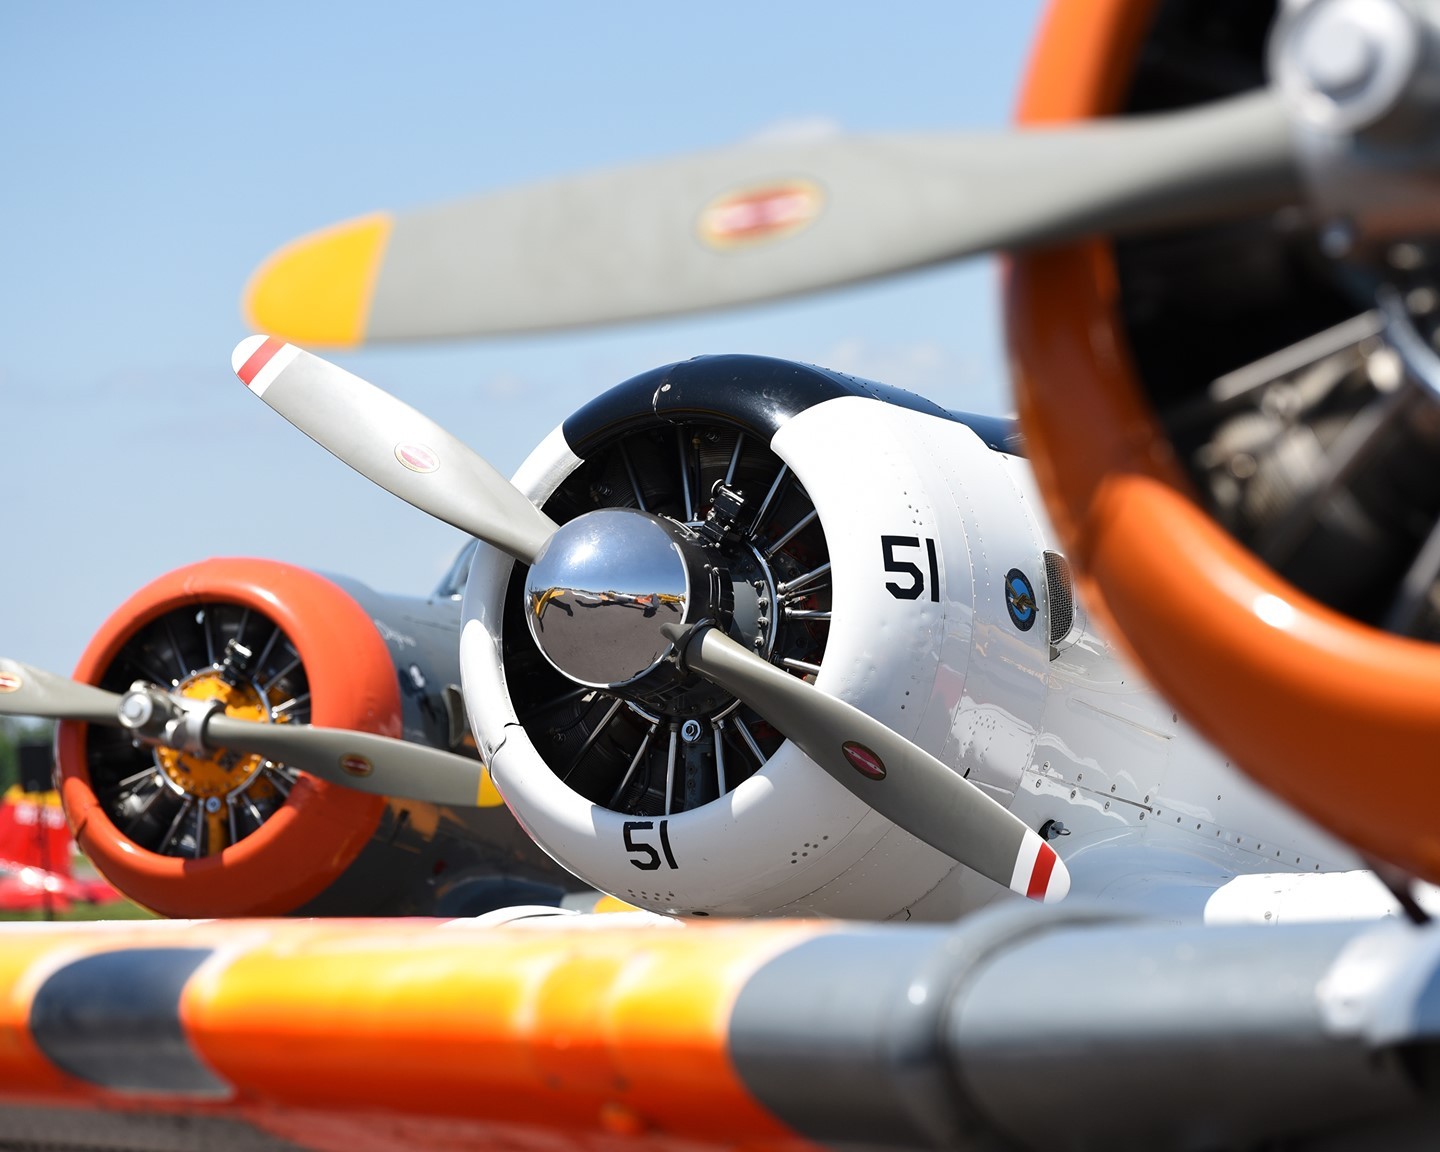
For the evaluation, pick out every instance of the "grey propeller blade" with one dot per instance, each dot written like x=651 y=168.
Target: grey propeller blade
x=896 y=777
x=27 y=691
x=762 y=221
x=358 y=760
x=387 y=441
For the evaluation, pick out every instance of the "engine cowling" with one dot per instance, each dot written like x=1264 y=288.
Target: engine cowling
x=872 y=542
x=235 y=835
x=1254 y=527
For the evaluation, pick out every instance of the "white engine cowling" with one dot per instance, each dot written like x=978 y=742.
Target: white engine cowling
x=932 y=616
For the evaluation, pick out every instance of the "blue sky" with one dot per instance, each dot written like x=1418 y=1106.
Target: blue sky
x=154 y=153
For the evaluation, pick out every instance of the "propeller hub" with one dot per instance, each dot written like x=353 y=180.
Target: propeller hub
x=215 y=772
x=604 y=584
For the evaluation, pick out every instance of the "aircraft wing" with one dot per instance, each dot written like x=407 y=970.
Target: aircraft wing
x=1020 y=1027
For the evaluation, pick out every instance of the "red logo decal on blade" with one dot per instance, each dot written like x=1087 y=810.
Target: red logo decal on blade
x=417 y=457
x=863 y=760
x=9 y=682
x=1040 y=874
x=753 y=215
x=258 y=359
x=356 y=766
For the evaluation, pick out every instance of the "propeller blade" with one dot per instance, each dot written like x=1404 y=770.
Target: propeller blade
x=896 y=777
x=762 y=221
x=358 y=760
x=27 y=691
x=387 y=441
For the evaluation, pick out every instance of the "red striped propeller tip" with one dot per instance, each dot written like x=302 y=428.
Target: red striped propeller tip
x=257 y=360
x=1039 y=873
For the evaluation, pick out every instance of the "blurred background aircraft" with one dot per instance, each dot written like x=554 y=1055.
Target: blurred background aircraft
x=158 y=153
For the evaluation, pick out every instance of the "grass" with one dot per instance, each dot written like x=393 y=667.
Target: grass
x=122 y=910
x=115 y=910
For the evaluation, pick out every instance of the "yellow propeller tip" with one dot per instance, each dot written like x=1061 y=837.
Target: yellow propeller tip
x=613 y=904
x=317 y=290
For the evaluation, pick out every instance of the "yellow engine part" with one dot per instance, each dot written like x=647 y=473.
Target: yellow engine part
x=218 y=774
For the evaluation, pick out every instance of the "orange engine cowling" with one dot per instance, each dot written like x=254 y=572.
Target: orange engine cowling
x=1129 y=360
x=229 y=835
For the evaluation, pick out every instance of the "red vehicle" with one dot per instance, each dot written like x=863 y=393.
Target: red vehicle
x=35 y=854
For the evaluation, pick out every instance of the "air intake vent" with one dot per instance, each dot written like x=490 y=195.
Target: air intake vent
x=1061 y=598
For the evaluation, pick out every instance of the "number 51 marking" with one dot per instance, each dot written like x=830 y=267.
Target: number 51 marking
x=650 y=859
x=916 y=587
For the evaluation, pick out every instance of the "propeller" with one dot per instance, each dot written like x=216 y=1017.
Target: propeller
x=1342 y=131
x=26 y=691
x=896 y=777
x=390 y=443
x=360 y=760
x=764 y=221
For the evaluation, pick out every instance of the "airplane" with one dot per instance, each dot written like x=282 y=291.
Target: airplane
x=1227 y=405
x=616 y=771
x=741 y=1035
x=35 y=851
x=187 y=831
x=985 y=739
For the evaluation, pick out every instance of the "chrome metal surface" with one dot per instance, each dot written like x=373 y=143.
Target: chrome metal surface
x=719 y=731
x=1343 y=64
x=600 y=589
x=742 y=524
x=670 y=770
x=159 y=717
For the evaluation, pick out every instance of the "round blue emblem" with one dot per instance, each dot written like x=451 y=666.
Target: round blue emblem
x=1020 y=599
